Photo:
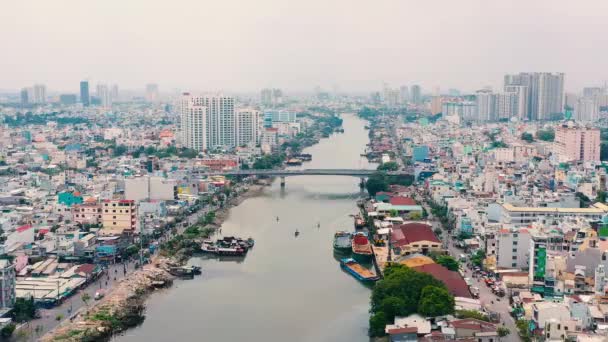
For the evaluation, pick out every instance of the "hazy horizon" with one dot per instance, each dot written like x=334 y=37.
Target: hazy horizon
x=243 y=46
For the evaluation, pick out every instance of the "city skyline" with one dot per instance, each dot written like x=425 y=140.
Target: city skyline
x=495 y=39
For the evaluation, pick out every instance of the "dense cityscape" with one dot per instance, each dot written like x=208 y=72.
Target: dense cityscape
x=304 y=171
x=485 y=217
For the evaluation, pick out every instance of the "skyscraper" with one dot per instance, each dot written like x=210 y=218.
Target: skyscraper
x=193 y=123
x=404 y=94
x=586 y=109
x=545 y=92
x=24 y=97
x=84 y=93
x=521 y=107
x=271 y=97
x=266 y=97
x=152 y=92
x=39 y=93
x=248 y=126
x=210 y=128
x=114 y=94
x=104 y=95
x=486 y=105
x=506 y=105
x=416 y=95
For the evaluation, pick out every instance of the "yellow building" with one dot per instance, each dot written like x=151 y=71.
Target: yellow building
x=119 y=215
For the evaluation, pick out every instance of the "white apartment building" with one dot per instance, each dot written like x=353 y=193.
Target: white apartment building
x=193 y=123
x=513 y=248
x=208 y=121
x=150 y=188
x=586 y=109
x=248 y=126
x=485 y=105
x=521 y=216
x=105 y=95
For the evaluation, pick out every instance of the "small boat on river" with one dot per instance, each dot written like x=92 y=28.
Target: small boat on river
x=342 y=241
x=356 y=270
x=229 y=245
x=362 y=248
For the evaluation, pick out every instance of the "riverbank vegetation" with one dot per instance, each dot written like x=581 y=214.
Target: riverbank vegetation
x=380 y=181
x=404 y=291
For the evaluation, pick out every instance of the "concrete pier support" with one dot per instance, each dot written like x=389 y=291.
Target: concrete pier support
x=282 y=181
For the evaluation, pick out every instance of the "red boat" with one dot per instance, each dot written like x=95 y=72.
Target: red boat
x=362 y=249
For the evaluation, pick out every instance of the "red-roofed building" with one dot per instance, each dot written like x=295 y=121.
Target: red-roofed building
x=403 y=334
x=452 y=279
x=400 y=200
x=412 y=238
x=23 y=228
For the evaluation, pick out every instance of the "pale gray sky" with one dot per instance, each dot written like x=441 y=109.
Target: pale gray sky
x=296 y=44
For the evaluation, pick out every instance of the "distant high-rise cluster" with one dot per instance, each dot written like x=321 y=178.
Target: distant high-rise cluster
x=544 y=92
x=208 y=122
x=33 y=95
x=271 y=97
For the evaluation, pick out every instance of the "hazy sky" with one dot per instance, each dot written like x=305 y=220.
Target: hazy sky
x=297 y=44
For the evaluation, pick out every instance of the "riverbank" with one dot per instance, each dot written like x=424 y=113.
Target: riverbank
x=124 y=305
x=122 y=308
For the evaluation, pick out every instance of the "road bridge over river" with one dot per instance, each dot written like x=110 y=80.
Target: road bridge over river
x=362 y=173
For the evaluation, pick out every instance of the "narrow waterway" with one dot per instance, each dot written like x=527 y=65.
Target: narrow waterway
x=287 y=288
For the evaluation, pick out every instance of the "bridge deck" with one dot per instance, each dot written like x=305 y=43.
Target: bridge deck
x=302 y=172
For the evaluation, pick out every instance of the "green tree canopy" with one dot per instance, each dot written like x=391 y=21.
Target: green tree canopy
x=527 y=137
x=546 y=135
x=400 y=293
x=376 y=183
x=448 y=262
x=390 y=166
x=435 y=301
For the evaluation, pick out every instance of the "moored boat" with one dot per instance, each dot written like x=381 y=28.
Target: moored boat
x=342 y=241
x=356 y=270
x=294 y=161
x=362 y=248
x=359 y=222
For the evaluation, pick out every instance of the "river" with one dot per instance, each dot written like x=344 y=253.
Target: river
x=287 y=288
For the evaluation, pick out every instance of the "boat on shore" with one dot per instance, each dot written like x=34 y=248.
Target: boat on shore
x=362 y=248
x=185 y=271
x=356 y=270
x=294 y=162
x=342 y=241
x=359 y=222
